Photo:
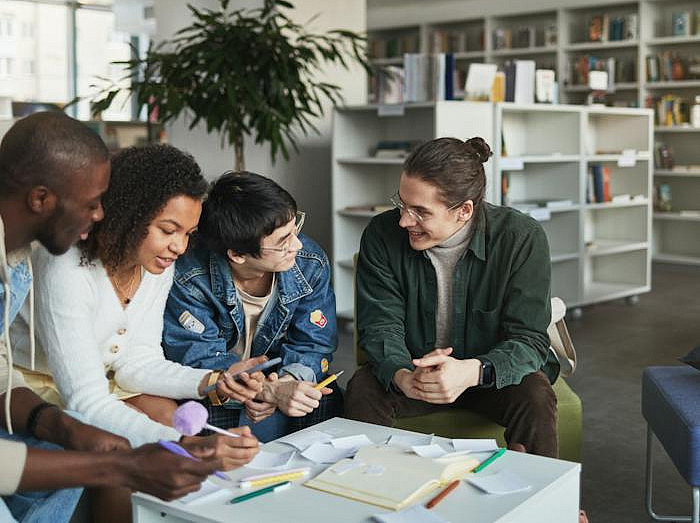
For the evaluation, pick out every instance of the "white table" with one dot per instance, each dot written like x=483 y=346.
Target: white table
x=553 y=498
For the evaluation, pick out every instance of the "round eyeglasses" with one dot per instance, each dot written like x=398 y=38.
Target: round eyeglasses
x=285 y=248
x=397 y=202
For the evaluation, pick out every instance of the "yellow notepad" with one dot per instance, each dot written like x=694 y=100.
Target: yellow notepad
x=406 y=477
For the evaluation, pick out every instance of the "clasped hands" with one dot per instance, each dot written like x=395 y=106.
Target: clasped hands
x=438 y=377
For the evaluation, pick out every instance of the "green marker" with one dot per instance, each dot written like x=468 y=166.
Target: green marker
x=493 y=457
x=271 y=488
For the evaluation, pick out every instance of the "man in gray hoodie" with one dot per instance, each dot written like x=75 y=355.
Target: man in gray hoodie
x=53 y=172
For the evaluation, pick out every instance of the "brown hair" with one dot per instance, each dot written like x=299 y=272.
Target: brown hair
x=453 y=166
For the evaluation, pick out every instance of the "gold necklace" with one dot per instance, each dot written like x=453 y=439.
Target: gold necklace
x=125 y=296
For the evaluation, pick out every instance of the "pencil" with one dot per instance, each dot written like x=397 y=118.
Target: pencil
x=329 y=379
x=442 y=495
x=493 y=457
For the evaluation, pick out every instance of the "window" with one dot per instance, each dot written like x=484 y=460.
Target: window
x=37 y=39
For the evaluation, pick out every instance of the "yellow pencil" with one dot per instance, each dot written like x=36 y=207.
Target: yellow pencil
x=329 y=379
x=290 y=476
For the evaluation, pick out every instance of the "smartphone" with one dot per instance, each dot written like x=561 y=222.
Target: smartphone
x=263 y=366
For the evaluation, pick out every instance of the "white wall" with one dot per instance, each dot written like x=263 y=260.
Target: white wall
x=307 y=176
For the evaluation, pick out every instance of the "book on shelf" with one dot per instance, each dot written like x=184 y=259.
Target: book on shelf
x=502 y=38
x=671 y=66
x=387 y=85
x=608 y=28
x=598 y=189
x=406 y=477
x=662 y=197
x=545 y=86
x=394 y=148
x=670 y=110
x=520 y=81
x=428 y=77
x=663 y=156
x=480 y=81
x=619 y=70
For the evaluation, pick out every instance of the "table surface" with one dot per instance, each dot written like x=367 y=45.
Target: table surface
x=301 y=503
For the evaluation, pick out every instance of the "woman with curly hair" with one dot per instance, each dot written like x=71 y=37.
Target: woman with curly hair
x=100 y=310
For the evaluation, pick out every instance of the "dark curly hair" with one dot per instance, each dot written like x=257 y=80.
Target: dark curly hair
x=143 y=180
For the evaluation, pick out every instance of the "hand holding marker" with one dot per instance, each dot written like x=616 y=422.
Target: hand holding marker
x=263 y=366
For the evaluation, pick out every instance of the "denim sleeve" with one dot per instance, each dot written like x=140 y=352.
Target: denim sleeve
x=312 y=335
x=190 y=332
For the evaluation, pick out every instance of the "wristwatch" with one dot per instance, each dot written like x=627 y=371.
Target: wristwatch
x=487 y=376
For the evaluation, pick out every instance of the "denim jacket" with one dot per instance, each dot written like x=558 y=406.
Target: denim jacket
x=298 y=323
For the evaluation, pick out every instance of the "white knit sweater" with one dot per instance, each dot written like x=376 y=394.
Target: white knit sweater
x=83 y=332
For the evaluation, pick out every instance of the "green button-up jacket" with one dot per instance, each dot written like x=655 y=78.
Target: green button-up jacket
x=501 y=297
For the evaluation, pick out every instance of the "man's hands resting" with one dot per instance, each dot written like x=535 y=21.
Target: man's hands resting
x=294 y=398
x=438 y=378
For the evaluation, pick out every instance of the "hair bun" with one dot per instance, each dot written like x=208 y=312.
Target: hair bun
x=478 y=147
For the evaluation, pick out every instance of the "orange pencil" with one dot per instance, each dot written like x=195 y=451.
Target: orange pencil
x=442 y=495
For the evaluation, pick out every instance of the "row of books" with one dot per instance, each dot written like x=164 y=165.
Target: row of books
x=608 y=28
x=525 y=36
x=393 y=47
x=444 y=41
x=619 y=69
x=669 y=109
x=671 y=66
x=598 y=184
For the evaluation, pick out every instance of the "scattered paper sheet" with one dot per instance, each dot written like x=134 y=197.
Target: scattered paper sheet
x=375 y=470
x=346 y=466
x=326 y=453
x=429 y=451
x=503 y=482
x=272 y=460
x=475 y=445
x=303 y=440
x=410 y=441
x=414 y=514
x=351 y=442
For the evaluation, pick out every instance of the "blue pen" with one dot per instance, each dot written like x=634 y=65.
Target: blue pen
x=181 y=451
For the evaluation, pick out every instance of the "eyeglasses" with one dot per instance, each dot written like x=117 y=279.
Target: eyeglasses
x=397 y=202
x=298 y=224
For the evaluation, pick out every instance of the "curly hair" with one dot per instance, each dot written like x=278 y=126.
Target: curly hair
x=144 y=180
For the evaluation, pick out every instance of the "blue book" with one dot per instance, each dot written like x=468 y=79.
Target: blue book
x=598 y=183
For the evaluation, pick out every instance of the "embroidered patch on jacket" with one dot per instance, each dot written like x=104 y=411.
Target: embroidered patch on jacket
x=188 y=321
x=318 y=319
x=324 y=365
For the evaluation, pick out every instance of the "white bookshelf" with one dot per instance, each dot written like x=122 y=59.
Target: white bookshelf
x=676 y=231
x=360 y=179
x=599 y=251
x=653 y=35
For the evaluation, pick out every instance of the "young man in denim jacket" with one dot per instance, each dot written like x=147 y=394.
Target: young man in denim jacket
x=252 y=285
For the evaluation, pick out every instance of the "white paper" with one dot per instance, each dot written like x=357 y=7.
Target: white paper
x=352 y=442
x=475 y=445
x=326 y=453
x=503 y=482
x=302 y=440
x=628 y=158
x=272 y=460
x=511 y=163
x=429 y=451
x=414 y=514
x=480 y=80
x=375 y=470
x=410 y=441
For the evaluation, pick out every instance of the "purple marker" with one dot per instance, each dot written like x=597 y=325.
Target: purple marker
x=181 y=451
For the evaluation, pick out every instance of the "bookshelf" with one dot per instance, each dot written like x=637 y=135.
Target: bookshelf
x=676 y=230
x=599 y=251
x=361 y=180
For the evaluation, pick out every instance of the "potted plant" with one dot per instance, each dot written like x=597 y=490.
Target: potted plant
x=243 y=73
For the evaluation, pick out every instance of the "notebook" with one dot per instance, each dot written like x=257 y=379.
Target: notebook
x=406 y=476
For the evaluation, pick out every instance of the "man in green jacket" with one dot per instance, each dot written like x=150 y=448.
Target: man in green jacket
x=453 y=303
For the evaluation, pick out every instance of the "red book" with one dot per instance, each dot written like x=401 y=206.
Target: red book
x=606 y=185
